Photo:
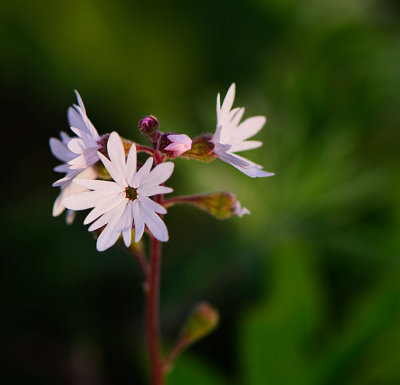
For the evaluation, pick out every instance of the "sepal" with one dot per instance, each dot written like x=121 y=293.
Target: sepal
x=202 y=149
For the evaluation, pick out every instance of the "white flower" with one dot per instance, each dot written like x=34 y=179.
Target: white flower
x=120 y=203
x=179 y=144
x=84 y=147
x=231 y=136
x=239 y=210
x=60 y=150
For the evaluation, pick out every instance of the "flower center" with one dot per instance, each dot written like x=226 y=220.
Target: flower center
x=130 y=193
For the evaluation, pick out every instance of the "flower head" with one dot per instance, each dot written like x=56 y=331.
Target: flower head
x=174 y=145
x=61 y=151
x=231 y=136
x=83 y=148
x=120 y=203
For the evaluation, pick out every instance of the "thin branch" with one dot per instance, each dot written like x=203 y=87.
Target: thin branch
x=173 y=354
x=141 y=148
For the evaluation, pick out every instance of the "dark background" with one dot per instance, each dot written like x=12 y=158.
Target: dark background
x=308 y=286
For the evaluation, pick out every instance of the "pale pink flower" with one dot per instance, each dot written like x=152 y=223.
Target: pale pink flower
x=84 y=147
x=120 y=203
x=231 y=136
x=60 y=150
x=179 y=144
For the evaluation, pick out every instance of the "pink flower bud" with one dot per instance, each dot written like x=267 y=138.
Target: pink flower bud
x=149 y=125
x=174 y=145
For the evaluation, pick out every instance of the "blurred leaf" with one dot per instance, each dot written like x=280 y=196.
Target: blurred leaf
x=275 y=334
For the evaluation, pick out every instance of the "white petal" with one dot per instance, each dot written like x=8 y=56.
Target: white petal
x=138 y=216
x=156 y=226
x=112 y=231
x=131 y=164
x=142 y=173
x=60 y=150
x=58 y=207
x=159 y=174
x=250 y=127
x=236 y=116
x=239 y=210
x=150 y=205
x=64 y=137
x=100 y=185
x=246 y=145
x=83 y=200
x=103 y=205
x=67 y=179
x=218 y=106
x=127 y=224
x=115 y=174
x=116 y=153
x=76 y=145
x=75 y=120
x=149 y=190
x=61 y=168
x=80 y=102
x=232 y=159
x=103 y=220
x=228 y=101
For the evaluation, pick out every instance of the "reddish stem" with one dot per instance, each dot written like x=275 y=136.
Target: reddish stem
x=141 y=148
x=152 y=302
x=153 y=333
x=180 y=199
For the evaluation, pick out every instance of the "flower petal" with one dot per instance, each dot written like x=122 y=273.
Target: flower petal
x=103 y=205
x=114 y=173
x=150 y=205
x=83 y=200
x=138 y=216
x=131 y=164
x=116 y=154
x=100 y=185
x=149 y=190
x=159 y=174
x=127 y=224
x=112 y=231
x=250 y=127
x=60 y=150
x=142 y=173
x=156 y=226
x=246 y=145
x=228 y=102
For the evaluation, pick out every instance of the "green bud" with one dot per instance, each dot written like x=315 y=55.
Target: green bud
x=202 y=149
x=203 y=320
x=221 y=205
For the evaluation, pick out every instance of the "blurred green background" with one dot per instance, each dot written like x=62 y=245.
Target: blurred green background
x=308 y=286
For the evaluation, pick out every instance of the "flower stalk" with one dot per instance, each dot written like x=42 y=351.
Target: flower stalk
x=152 y=313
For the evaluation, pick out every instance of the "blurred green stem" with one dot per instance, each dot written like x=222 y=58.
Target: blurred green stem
x=176 y=350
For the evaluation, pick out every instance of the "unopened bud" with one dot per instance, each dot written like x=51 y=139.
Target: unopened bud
x=174 y=145
x=149 y=126
x=202 y=149
x=203 y=320
x=221 y=205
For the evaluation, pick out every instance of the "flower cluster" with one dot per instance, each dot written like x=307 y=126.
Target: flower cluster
x=102 y=172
